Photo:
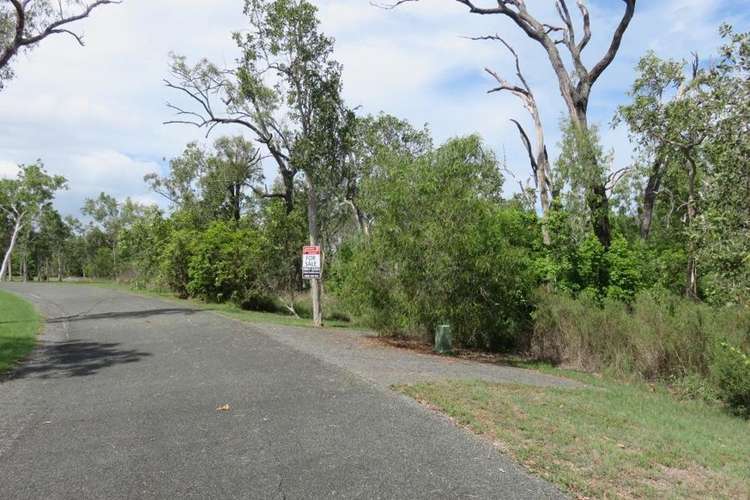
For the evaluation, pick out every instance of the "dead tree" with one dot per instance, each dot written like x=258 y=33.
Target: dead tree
x=575 y=83
x=538 y=157
x=28 y=22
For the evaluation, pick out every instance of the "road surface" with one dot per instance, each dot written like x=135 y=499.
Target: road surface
x=121 y=398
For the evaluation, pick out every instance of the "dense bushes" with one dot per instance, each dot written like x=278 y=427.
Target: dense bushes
x=227 y=264
x=659 y=336
x=444 y=250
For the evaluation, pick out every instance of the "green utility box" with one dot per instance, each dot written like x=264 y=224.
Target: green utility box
x=443 y=339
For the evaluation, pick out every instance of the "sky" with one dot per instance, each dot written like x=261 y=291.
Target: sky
x=95 y=114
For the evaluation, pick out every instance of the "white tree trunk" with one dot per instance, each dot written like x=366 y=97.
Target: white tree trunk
x=13 y=239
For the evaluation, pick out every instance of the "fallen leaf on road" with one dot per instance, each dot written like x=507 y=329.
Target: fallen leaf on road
x=224 y=408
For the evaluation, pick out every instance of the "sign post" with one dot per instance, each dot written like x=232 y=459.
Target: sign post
x=311 y=263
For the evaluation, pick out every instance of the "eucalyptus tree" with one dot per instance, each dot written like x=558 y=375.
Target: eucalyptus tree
x=25 y=23
x=575 y=79
x=220 y=183
x=377 y=140
x=690 y=123
x=23 y=199
x=286 y=91
x=723 y=227
x=47 y=244
x=112 y=217
x=673 y=129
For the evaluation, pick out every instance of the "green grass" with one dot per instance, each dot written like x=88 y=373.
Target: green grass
x=226 y=309
x=608 y=440
x=19 y=325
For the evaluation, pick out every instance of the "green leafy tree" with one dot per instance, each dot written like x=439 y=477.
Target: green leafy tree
x=286 y=90
x=23 y=200
x=112 y=218
x=220 y=183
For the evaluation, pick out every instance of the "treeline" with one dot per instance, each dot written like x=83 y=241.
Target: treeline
x=642 y=271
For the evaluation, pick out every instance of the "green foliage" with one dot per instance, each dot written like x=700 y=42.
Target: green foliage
x=731 y=370
x=443 y=249
x=176 y=261
x=100 y=265
x=226 y=264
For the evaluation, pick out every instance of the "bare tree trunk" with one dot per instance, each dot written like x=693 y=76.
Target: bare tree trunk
x=314 y=230
x=13 y=239
x=25 y=266
x=359 y=218
x=691 y=286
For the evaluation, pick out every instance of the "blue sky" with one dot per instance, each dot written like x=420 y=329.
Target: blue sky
x=95 y=114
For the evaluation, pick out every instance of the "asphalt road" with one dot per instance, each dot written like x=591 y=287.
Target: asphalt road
x=121 y=399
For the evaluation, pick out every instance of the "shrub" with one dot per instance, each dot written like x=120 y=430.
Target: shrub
x=176 y=260
x=659 y=336
x=227 y=265
x=444 y=249
x=731 y=373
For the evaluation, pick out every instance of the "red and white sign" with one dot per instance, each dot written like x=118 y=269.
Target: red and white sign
x=311 y=262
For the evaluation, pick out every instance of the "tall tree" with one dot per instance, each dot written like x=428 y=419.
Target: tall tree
x=22 y=199
x=286 y=90
x=376 y=140
x=674 y=131
x=219 y=183
x=112 y=217
x=25 y=23
x=575 y=82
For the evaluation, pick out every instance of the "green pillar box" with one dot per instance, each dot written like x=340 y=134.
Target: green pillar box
x=443 y=339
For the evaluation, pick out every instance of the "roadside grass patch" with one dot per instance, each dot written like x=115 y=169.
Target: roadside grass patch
x=607 y=440
x=228 y=309
x=19 y=325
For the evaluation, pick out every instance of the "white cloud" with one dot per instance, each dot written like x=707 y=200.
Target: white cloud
x=8 y=170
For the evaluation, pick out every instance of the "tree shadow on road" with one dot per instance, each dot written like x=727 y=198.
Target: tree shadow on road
x=123 y=315
x=75 y=358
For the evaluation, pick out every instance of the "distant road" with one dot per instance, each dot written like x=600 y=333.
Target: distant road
x=121 y=402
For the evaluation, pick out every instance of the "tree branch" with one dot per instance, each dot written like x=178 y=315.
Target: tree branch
x=22 y=39
x=616 y=41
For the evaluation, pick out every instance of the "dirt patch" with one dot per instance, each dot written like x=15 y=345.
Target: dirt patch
x=423 y=347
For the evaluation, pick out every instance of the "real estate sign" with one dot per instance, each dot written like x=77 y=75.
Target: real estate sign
x=311 y=262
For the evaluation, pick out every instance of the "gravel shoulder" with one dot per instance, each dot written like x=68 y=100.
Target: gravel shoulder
x=385 y=365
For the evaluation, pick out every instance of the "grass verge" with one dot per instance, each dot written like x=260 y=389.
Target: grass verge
x=19 y=325
x=227 y=309
x=608 y=440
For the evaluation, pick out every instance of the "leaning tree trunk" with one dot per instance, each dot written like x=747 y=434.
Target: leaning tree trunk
x=13 y=239
x=649 y=198
x=314 y=230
